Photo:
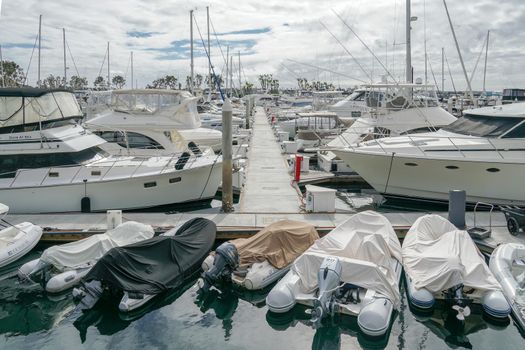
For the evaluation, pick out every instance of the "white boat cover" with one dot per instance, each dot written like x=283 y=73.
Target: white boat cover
x=87 y=251
x=438 y=256
x=364 y=244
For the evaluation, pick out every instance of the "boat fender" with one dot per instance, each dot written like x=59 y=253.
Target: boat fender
x=85 y=205
x=495 y=304
x=225 y=262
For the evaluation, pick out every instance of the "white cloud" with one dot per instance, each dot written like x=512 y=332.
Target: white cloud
x=296 y=34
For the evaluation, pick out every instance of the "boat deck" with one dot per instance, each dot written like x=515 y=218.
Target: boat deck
x=268 y=186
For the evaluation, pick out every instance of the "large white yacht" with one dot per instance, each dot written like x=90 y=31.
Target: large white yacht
x=50 y=163
x=391 y=109
x=482 y=153
x=149 y=119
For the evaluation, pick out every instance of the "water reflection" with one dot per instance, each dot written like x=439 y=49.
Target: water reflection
x=107 y=318
x=224 y=300
x=455 y=333
x=328 y=336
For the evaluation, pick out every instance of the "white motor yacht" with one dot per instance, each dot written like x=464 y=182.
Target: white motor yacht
x=50 y=163
x=482 y=153
x=150 y=119
x=390 y=110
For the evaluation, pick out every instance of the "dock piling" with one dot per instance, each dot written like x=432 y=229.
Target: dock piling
x=227 y=191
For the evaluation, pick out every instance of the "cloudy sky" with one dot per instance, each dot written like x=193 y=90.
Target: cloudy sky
x=284 y=38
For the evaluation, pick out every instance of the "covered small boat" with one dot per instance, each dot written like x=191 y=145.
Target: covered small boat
x=442 y=262
x=507 y=263
x=353 y=270
x=145 y=269
x=62 y=266
x=16 y=240
x=256 y=262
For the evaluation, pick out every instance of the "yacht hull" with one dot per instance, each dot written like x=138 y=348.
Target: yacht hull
x=136 y=192
x=432 y=178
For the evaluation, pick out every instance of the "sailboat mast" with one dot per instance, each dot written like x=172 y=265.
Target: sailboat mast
x=486 y=58
x=2 y=67
x=409 y=77
x=459 y=53
x=227 y=68
x=109 y=81
x=442 y=70
x=191 y=51
x=240 y=74
x=39 y=47
x=209 y=52
x=132 y=70
x=65 y=62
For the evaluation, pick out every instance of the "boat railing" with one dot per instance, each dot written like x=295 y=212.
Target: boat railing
x=173 y=158
x=419 y=141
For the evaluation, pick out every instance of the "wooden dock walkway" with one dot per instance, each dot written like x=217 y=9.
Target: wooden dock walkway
x=268 y=185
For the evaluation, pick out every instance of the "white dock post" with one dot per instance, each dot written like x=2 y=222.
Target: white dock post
x=227 y=191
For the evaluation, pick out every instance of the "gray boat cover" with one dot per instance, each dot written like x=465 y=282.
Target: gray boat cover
x=438 y=256
x=157 y=264
x=365 y=245
x=279 y=243
x=86 y=252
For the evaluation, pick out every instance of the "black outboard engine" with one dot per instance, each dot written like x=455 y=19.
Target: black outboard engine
x=455 y=294
x=225 y=262
x=328 y=279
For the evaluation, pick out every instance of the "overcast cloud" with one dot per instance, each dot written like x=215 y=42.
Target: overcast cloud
x=270 y=36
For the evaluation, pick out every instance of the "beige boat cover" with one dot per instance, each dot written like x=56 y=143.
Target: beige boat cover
x=365 y=245
x=279 y=243
x=438 y=256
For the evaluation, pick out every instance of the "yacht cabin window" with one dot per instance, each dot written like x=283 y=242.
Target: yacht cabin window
x=135 y=140
x=482 y=126
x=516 y=133
x=9 y=164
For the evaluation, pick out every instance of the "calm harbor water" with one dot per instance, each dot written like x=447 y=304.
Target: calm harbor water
x=221 y=320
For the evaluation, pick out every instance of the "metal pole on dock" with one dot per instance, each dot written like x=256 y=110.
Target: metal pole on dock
x=227 y=166
x=65 y=61
x=39 y=47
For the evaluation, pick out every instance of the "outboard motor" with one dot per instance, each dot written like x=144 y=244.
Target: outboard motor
x=88 y=294
x=38 y=273
x=455 y=294
x=329 y=278
x=225 y=262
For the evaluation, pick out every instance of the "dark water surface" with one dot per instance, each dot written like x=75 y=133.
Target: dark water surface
x=30 y=319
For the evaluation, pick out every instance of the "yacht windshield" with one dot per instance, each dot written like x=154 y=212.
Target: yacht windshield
x=483 y=126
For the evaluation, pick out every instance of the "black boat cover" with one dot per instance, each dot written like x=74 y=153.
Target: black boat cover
x=159 y=263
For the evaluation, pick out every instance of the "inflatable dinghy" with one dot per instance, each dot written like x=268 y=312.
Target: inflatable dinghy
x=256 y=262
x=353 y=270
x=145 y=269
x=442 y=262
x=16 y=240
x=62 y=266
x=507 y=263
